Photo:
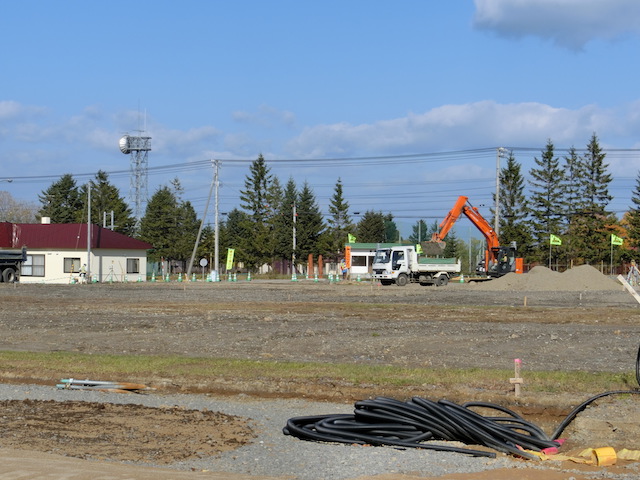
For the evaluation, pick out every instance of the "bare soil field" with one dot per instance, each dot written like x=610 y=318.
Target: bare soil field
x=584 y=323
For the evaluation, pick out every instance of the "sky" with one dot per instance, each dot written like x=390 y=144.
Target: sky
x=405 y=102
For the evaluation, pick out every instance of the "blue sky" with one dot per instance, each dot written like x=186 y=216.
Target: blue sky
x=316 y=87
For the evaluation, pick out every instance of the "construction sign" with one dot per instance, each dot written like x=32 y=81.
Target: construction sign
x=347 y=255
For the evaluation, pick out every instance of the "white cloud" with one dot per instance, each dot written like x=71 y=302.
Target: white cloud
x=12 y=113
x=568 y=23
x=174 y=142
x=9 y=109
x=266 y=116
x=458 y=127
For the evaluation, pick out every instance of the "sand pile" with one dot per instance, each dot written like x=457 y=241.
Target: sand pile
x=582 y=278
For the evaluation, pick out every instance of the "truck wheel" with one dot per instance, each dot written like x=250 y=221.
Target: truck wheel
x=402 y=280
x=442 y=280
x=386 y=282
x=9 y=275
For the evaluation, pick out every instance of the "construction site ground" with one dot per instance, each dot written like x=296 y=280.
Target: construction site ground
x=583 y=322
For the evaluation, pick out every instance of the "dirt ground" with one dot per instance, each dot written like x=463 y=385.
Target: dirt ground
x=457 y=326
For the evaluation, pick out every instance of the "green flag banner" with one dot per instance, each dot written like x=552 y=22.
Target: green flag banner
x=555 y=240
x=352 y=238
x=230 y=252
x=616 y=240
x=419 y=250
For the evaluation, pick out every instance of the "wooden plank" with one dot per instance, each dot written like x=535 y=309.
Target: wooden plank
x=629 y=288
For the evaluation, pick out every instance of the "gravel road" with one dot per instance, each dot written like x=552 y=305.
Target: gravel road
x=276 y=454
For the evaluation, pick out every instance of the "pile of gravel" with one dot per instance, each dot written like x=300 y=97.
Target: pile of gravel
x=578 y=279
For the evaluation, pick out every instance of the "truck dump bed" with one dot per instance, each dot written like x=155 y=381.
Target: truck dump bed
x=437 y=261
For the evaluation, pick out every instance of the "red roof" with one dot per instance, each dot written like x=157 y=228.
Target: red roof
x=65 y=236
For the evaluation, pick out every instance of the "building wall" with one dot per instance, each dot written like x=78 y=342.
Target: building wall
x=106 y=266
x=111 y=266
x=361 y=263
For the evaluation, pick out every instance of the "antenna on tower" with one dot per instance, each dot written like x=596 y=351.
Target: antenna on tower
x=138 y=147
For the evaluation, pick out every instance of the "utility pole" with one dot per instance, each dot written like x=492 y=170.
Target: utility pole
x=88 y=274
x=216 y=222
x=204 y=217
x=496 y=228
x=293 y=252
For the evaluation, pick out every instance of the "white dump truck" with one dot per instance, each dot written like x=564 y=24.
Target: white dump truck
x=401 y=265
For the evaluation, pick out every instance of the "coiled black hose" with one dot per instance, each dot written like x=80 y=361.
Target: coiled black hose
x=385 y=421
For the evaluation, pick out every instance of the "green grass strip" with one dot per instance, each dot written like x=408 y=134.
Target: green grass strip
x=58 y=365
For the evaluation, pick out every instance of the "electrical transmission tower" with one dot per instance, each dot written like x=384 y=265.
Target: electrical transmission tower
x=138 y=147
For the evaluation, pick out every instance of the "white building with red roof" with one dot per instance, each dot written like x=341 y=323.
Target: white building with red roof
x=60 y=253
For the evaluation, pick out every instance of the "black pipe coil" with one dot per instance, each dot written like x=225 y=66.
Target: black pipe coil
x=385 y=421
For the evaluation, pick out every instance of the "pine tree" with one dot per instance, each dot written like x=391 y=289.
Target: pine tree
x=170 y=225
x=340 y=225
x=546 y=199
x=276 y=199
x=590 y=233
x=420 y=232
x=633 y=216
x=514 y=212
x=371 y=228
x=234 y=234
x=61 y=202
x=391 y=232
x=452 y=246
x=207 y=245
x=309 y=226
x=571 y=195
x=257 y=201
x=159 y=224
x=105 y=198
x=283 y=222
x=186 y=231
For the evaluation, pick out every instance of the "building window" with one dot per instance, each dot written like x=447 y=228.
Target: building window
x=358 y=260
x=33 y=267
x=133 y=265
x=72 y=265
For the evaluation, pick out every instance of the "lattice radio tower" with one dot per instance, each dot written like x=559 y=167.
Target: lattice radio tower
x=138 y=147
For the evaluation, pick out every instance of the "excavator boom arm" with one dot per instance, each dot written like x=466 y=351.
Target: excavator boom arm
x=481 y=224
x=472 y=213
x=449 y=220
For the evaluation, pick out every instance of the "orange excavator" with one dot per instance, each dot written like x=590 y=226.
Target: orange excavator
x=498 y=260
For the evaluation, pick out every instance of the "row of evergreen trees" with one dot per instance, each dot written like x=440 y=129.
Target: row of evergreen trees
x=567 y=197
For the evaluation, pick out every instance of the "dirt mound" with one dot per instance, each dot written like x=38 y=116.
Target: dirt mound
x=578 y=279
x=128 y=433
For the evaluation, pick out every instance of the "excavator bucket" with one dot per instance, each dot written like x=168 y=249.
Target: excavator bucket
x=433 y=248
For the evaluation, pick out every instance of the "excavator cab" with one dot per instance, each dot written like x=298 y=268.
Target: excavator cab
x=505 y=261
